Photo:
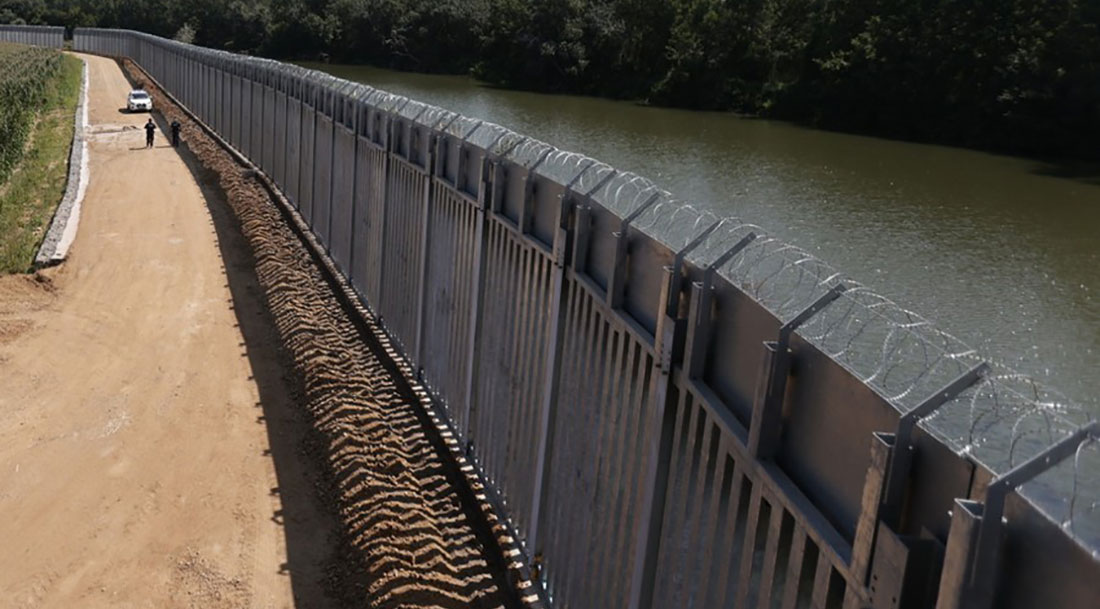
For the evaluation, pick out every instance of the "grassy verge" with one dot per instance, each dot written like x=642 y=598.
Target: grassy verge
x=32 y=192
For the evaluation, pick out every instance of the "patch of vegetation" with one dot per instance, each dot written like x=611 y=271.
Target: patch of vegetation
x=36 y=183
x=24 y=72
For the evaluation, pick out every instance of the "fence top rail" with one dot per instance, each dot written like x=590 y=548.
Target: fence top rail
x=31 y=28
x=1003 y=420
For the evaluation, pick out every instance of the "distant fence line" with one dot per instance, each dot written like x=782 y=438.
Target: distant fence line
x=674 y=409
x=36 y=35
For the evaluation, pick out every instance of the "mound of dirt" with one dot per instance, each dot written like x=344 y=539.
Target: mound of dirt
x=21 y=295
x=411 y=541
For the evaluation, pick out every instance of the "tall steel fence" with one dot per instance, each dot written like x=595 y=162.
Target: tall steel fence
x=673 y=409
x=36 y=35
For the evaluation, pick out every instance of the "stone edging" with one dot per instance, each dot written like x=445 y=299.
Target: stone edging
x=62 y=231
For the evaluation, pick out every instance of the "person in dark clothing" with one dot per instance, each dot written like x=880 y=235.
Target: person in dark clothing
x=175 y=134
x=149 y=129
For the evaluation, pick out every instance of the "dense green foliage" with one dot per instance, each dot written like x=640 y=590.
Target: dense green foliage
x=24 y=72
x=30 y=193
x=1016 y=75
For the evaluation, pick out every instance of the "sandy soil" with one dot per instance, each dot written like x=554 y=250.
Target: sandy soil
x=149 y=434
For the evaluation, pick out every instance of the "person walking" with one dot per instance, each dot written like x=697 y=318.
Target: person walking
x=150 y=128
x=175 y=134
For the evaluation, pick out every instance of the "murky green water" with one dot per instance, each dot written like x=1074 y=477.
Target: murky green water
x=998 y=251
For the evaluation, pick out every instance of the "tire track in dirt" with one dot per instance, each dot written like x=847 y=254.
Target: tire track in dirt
x=410 y=542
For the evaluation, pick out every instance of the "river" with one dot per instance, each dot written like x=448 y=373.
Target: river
x=1002 y=252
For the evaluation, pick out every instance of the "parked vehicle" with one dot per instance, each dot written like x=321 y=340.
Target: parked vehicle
x=139 y=101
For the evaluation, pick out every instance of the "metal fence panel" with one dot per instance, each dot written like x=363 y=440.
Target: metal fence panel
x=370 y=191
x=34 y=35
x=404 y=231
x=450 y=290
x=510 y=381
x=596 y=457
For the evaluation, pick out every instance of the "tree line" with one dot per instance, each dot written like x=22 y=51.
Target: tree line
x=1020 y=76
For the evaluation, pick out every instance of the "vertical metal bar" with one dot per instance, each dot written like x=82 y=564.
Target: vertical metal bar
x=715 y=551
x=882 y=447
x=579 y=330
x=700 y=489
x=962 y=542
x=740 y=508
x=822 y=579
x=794 y=568
x=601 y=405
x=771 y=558
x=748 y=550
x=672 y=502
x=385 y=239
x=354 y=196
x=853 y=599
x=581 y=377
x=627 y=433
x=336 y=125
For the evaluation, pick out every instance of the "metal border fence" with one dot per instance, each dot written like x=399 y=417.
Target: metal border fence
x=34 y=35
x=674 y=409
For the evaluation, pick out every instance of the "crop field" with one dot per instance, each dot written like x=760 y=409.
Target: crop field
x=24 y=74
x=39 y=89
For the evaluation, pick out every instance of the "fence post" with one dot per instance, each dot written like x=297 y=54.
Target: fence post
x=336 y=109
x=355 y=127
x=425 y=236
x=616 y=285
x=695 y=348
x=383 y=213
x=882 y=447
x=974 y=541
x=767 y=409
x=669 y=345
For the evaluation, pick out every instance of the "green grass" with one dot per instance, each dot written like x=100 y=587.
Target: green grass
x=35 y=187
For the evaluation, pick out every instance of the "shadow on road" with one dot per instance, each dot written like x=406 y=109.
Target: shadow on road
x=310 y=525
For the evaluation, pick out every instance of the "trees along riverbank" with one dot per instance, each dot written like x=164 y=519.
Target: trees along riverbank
x=1020 y=76
x=39 y=90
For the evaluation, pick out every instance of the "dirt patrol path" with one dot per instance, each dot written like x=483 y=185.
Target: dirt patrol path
x=149 y=435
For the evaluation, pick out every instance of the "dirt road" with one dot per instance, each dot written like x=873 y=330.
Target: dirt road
x=148 y=431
